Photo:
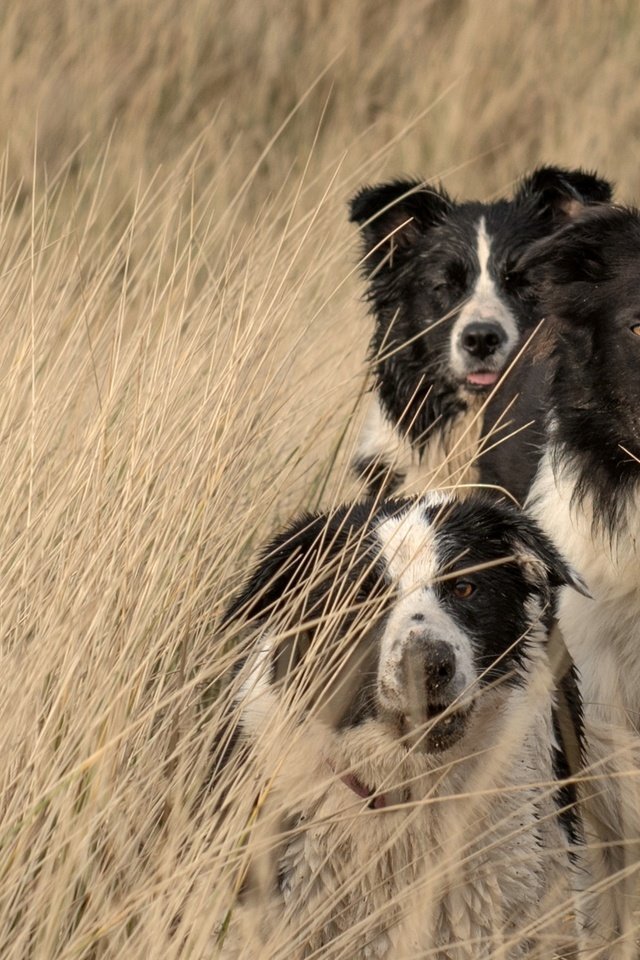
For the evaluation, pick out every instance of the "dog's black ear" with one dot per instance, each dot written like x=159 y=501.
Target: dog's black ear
x=540 y=560
x=393 y=216
x=564 y=193
x=574 y=256
x=316 y=571
x=282 y=567
x=283 y=572
x=304 y=562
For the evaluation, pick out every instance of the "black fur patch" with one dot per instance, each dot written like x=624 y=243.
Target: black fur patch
x=305 y=565
x=568 y=755
x=380 y=479
x=478 y=533
x=587 y=279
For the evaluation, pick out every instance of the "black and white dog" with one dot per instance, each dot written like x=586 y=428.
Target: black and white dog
x=400 y=704
x=449 y=314
x=579 y=469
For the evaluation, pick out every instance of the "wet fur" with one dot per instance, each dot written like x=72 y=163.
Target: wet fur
x=490 y=795
x=580 y=474
x=432 y=266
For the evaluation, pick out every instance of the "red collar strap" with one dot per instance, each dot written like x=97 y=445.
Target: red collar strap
x=376 y=800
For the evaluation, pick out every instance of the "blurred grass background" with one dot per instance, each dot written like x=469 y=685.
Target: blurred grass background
x=503 y=86
x=182 y=368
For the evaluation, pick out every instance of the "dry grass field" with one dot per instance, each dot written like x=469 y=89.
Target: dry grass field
x=182 y=368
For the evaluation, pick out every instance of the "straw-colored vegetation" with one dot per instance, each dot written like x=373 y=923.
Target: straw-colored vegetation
x=182 y=369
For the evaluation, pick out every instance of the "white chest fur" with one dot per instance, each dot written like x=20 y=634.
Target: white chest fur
x=603 y=633
x=472 y=856
x=448 y=456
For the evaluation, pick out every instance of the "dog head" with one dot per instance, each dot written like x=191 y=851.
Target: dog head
x=403 y=613
x=586 y=279
x=448 y=305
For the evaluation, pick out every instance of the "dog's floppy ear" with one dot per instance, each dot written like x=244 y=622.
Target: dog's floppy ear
x=315 y=569
x=573 y=256
x=540 y=559
x=281 y=569
x=393 y=216
x=278 y=580
x=564 y=193
x=304 y=562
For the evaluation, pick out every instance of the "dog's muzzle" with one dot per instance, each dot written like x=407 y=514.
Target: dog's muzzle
x=482 y=344
x=429 y=690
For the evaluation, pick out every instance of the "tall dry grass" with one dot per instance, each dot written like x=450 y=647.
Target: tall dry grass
x=182 y=369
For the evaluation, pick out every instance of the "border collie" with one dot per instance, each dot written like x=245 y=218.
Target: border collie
x=582 y=390
x=448 y=315
x=400 y=705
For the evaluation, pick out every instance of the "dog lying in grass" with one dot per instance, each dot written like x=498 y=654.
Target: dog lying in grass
x=409 y=720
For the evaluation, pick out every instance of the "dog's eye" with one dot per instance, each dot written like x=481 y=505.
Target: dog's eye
x=635 y=329
x=462 y=589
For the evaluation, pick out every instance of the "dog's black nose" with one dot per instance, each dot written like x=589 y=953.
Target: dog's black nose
x=434 y=660
x=439 y=665
x=481 y=339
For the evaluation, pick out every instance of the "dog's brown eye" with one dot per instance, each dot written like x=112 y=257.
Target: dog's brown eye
x=636 y=329
x=462 y=589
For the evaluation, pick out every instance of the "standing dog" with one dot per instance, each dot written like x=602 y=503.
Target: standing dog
x=399 y=703
x=449 y=314
x=580 y=469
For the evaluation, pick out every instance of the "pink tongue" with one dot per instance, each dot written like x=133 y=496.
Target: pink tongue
x=482 y=379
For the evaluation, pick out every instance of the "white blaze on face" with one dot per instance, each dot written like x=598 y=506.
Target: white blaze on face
x=409 y=546
x=409 y=552
x=484 y=305
x=485 y=286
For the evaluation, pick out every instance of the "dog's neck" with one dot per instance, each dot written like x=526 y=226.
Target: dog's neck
x=376 y=800
x=602 y=633
x=588 y=450
x=600 y=491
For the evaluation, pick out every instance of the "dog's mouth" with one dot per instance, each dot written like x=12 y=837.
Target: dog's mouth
x=478 y=381
x=441 y=727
